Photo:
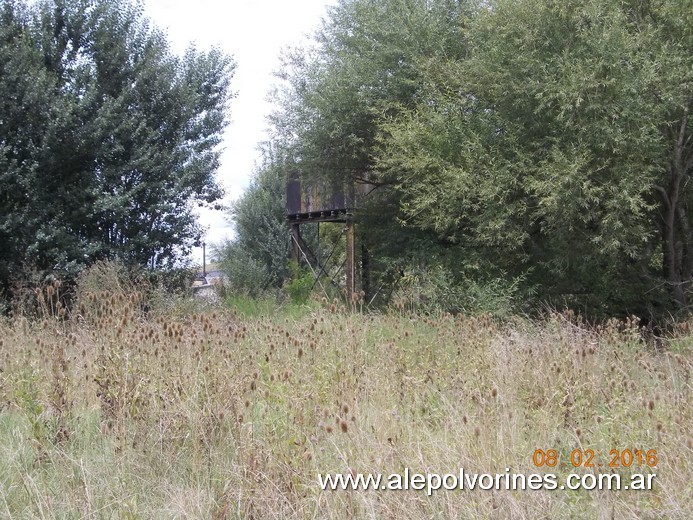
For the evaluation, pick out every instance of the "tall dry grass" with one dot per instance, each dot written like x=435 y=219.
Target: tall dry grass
x=118 y=413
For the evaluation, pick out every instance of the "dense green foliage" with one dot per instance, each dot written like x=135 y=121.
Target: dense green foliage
x=108 y=140
x=539 y=150
x=546 y=149
x=257 y=259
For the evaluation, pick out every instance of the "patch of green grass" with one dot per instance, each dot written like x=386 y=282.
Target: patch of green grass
x=268 y=306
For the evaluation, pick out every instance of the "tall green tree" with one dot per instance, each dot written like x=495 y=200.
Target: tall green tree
x=24 y=108
x=364 y=69
x=256 y=260
x=542 y=143
x=108 y=140
x=561 y=146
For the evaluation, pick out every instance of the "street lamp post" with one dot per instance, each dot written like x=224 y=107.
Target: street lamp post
x=204 y=262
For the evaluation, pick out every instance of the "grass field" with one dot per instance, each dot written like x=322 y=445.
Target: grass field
x=111 y=414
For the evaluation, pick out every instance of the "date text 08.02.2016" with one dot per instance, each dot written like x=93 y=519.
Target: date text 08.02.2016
x=589 y=459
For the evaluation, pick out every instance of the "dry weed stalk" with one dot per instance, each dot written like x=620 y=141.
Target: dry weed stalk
x=248 y=412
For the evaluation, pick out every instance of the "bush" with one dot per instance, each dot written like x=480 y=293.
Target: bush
x=434 y=289
x=107 y=275
x=27 y=294
x=246 y=275
x=166 y=292
x=301 y=283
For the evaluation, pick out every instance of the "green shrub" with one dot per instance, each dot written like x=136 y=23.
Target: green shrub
x=434 y=289
x=301 y=283
x=246 y=275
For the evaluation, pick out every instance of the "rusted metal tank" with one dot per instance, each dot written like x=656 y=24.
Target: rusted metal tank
x=325 y=201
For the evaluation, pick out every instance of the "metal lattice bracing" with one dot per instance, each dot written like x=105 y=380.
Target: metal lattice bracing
x=315 y=203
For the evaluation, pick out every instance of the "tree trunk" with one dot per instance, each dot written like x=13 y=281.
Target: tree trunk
x=676 y=231
x=672 y=257
x=686 y=253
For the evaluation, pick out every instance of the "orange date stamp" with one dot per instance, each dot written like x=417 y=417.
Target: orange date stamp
x=579 y=458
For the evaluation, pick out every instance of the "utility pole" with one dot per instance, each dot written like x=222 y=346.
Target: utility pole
x=204 y=261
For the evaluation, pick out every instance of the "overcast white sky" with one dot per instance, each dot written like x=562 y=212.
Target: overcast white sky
x=253 y=32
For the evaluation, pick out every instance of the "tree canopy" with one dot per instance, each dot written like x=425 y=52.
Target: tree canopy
x=558 y=142
x=256 y=260
x=541 y=144
x=108 y=139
